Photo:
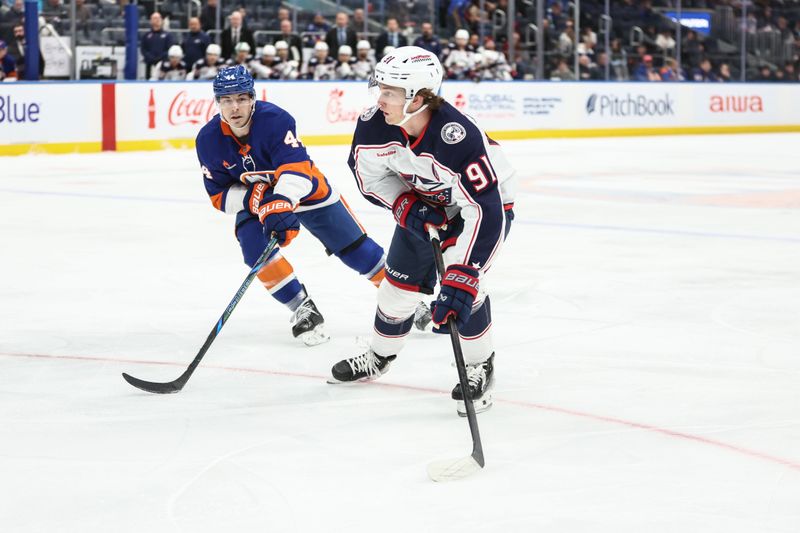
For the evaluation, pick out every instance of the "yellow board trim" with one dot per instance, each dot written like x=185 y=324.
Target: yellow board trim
x=51 y=148
x=324 y=140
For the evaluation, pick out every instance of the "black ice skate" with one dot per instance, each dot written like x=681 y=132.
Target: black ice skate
x=481 y=382
x=364 y=367
x=307 y=324
x=422 y=317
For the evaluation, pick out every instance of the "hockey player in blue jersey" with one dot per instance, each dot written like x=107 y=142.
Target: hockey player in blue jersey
x=421 y=158
x=257 y=169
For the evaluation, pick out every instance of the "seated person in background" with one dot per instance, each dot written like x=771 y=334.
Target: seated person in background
x=207 y=67
x=363 y=65
x=344 y=64
x=460 y=60
x=172 y=68
x=704 y=72
x=287 y=68
x=266 y=68
x=321 y=66
x=242 y=55
x=8 y=66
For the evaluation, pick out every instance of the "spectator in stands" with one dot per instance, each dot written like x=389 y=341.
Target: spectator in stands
x=321 y=65
x=8 y=66
x=665 y=42
x=345 y=63
x=703 y=72
x=195 y=42
x=670 y=71
x=171 y=69
x=460 y=60
x=556 y=18
x=588 y=41
x=597 y=72
x=491 y=64
x=363 y=66
x=292 y=40
x=206 y=68
x=780 y=75
x=54 y=13
x=283 y=14
x=83 y=15
x=790 y=71
x=562 y=72
x=765 y=74
x=692 y=50
x=566 y=40
x=155 y=44
x=16 y=13
x=268 y=66
x=429 y=40
x=645 y=71
x=234 y=34
x=391 y=36
x=584 y=67
x=288 y=69
x=241 y=55
x=208 y=16
x=341 y=33
x=318 y=28
x=724 y=72
x=358 y=20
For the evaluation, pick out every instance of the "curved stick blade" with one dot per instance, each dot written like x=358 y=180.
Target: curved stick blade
x=170 y=387
x=453 y=469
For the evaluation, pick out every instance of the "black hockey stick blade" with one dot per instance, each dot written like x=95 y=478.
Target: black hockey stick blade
x=170 y=387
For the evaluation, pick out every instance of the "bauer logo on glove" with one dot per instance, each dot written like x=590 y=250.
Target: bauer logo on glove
x=277 y=214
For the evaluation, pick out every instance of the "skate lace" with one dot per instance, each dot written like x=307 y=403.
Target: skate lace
x=366 y=362
x=476 y=374
x=302 y=313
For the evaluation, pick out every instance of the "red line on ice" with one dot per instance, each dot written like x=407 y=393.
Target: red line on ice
x=530 y=405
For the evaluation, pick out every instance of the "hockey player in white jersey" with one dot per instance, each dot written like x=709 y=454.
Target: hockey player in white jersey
x=421 y=158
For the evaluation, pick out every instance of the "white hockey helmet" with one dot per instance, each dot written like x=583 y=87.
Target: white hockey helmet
x=213 y=50
x=344 y=49
x=281 y=45
x=175 y=51
x=462 y=35
x=412 y=69
x=268 y=50
x=321 y=45
x=242 y=47
x=363 y=45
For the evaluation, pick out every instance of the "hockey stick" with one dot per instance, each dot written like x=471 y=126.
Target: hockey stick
x=177 y=385
x=452 y=469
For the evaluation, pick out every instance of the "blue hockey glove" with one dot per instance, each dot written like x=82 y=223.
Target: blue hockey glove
x=277 y=214
x=458 y=292
x=416 y=216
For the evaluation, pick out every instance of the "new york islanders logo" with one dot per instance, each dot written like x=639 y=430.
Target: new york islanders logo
x=453 y=133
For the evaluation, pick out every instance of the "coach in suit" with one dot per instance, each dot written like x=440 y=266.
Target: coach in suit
x=341 y=34
x=391 y=37
x=235 y=34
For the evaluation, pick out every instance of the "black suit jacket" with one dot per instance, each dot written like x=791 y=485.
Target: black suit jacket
x=227 y=46
x=332 y=38
x=383 y=42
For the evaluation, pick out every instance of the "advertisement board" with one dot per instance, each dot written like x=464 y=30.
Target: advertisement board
x=66 y=117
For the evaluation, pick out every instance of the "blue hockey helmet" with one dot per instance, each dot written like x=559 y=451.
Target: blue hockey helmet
x=234 y=80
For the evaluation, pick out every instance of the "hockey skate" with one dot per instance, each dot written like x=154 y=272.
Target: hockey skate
x=481 y=383
x=364 y=367
x=308 y=324
x=423 y=317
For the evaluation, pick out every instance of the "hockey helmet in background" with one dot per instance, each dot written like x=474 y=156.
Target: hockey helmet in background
x=175 y=51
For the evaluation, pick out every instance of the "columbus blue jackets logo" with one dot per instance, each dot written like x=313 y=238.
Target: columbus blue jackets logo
x=453 y=133
x=369 y=113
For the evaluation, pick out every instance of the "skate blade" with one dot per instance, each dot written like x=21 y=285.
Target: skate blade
x=484 y=404
x=314 y=337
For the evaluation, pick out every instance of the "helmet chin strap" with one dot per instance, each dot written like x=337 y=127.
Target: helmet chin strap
x=406 y=115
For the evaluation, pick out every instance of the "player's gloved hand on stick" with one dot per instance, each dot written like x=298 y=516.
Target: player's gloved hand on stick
x=277 y=214
x=254 y=197
x=456 y=296
x=416 y=216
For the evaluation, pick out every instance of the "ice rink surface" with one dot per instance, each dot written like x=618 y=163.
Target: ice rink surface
x=647 y=326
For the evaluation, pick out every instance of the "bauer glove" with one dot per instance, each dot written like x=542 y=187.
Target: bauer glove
x=277 y=214
x=416 y=216
x=456 y=296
